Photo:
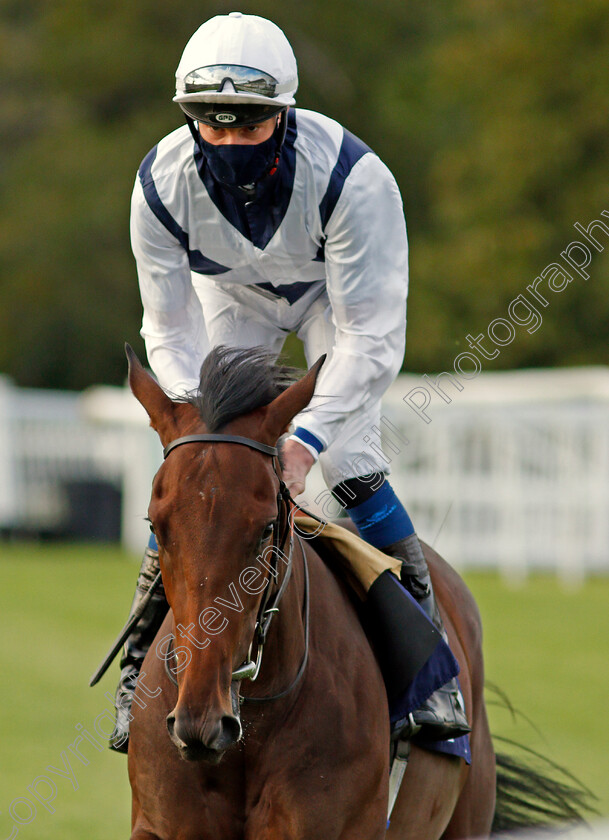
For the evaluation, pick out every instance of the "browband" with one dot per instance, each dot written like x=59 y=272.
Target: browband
x=253 y=444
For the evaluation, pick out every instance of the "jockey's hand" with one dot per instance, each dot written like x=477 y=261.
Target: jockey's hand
x=297 y=461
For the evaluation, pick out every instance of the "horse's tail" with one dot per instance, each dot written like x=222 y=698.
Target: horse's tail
x=534 y=792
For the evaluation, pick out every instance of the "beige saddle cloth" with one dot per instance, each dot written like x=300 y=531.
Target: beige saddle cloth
x=361 y=563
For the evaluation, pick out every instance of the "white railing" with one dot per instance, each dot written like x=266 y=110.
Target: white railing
x=56 y=446
x=511 y=472
x=514 y=487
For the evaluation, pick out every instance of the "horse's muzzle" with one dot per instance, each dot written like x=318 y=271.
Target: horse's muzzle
x=203 y=743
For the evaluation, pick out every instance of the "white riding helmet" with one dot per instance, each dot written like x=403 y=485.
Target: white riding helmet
x=236 y=70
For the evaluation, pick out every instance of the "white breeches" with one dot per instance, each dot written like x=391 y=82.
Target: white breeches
x=238 y=316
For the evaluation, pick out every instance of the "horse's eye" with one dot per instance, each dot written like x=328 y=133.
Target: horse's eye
x=267 y=531
x=150 y=525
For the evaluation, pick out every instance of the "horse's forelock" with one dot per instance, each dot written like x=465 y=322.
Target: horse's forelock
x=235 y=382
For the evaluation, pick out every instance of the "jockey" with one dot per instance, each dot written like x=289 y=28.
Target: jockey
x=255 y=220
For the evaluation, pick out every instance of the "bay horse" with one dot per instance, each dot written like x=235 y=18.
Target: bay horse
x=303 y=752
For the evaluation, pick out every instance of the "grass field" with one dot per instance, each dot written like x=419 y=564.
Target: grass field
x=61 y=606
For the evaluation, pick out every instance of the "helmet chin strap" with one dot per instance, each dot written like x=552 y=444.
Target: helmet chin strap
x=193 y=128
x=279 y=134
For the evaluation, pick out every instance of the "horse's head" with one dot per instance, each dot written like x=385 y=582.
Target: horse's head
x=214 y=508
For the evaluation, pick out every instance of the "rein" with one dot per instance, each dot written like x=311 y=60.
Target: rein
x=269 y=605
x=305 y=657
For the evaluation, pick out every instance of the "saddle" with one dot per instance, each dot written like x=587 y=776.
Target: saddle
x=412 y=655
x=360 y=562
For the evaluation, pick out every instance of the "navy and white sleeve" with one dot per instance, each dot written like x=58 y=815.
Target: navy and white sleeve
x=172 y=327
x=366 y=258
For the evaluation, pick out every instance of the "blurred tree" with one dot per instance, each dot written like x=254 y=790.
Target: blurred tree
x=512 y=98
x=491 y=115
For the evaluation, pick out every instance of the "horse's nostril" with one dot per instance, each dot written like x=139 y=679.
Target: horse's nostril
x=171 y=722
x=231 y=728
x=196 y=741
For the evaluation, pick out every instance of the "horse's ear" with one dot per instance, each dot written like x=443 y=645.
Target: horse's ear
x=149 y=393
x=280 y=412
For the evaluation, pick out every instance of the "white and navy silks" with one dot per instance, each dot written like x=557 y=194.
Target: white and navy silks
x=323 y=252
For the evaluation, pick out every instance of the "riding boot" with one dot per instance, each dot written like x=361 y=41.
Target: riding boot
x=136 y=646
x=442 y=716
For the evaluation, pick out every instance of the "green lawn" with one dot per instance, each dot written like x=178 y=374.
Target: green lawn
x=61 y=606
x=547 y=647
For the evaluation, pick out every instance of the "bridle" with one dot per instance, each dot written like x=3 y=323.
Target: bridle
x=269 y=605
x=252 y=444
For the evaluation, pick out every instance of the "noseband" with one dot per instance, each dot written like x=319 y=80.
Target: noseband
x=270 y=602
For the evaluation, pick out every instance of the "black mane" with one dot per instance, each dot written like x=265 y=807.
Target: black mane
x=234 y=382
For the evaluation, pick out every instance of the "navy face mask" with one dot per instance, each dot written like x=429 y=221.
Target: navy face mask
x=240 y=165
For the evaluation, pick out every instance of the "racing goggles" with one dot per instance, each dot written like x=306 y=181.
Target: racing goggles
x=243 y=79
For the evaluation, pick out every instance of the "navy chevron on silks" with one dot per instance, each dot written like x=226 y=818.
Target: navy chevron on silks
x=257 y=219
x=291 y=293
x=351 y=150
x=198 y=261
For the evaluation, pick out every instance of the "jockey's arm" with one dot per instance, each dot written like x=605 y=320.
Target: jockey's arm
x=173 y=327
x=366 y=257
